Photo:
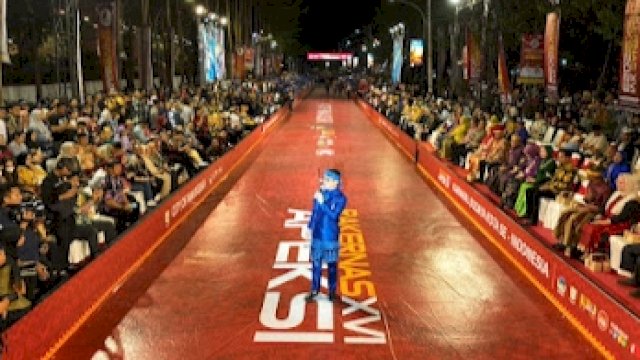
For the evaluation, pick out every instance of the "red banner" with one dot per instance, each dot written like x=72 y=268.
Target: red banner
x=465 y=62
x=474 y=58
x=531 y=60
x=107 y=45
x=629 y=66
x=551 y=42
x=503 y=74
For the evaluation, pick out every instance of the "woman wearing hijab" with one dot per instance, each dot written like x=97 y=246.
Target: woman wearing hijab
x=455 y=136
x=509 y=168
x=529 y=165
x=545 y=172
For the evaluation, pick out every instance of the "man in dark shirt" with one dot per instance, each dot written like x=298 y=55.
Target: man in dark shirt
x=59 y=196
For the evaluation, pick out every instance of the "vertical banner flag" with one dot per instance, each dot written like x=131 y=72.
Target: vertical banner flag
x=396 y=64
x=551 y=42
x=532 y=60
x=474 y=58
x=465 y=63
x=416 y=52
x=630 y=57
x=239 y=62
x=202 y=51
x=503 y=74
x=221 y=67
x=79 y=57
x=4 y=36
x=107 y=45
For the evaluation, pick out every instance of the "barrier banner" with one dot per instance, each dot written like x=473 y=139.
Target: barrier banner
x=107 y=45
x=607 y=324
x=551 y=43
x=630 y=56
x=503 y=74
x=532 y=60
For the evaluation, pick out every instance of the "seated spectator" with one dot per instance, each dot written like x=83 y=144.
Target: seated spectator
x=455 y=137
x=12 y=288
x=30 y=173
x=499 y=175
x=37 y=124
x=595 y=141
x=86 y=154
x=489 y=157
x=539 y=127
x=563 y=180
x=571 y=222
x=140 y=178
x=18 y=145
x=617 y=168
x=118 y=203
x=522 y=132
x=630 y=262
x=158 y=168
x=621 y=211
x=91 y=210
x=470 y=143
x=527 y=169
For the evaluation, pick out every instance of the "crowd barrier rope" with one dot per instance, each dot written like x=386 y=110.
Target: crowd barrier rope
x=607 y=324
x=41 y=332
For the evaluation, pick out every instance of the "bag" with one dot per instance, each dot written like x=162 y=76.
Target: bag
x=597 y=262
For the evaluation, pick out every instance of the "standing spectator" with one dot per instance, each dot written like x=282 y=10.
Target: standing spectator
x=59 y=193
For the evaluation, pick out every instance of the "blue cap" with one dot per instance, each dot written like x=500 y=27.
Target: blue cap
x=333 y=174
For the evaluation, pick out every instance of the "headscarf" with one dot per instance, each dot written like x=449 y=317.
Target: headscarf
x=532 y=152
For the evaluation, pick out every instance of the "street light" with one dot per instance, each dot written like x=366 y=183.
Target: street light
x=224 y=21
x=200 y=10
x=426 y=33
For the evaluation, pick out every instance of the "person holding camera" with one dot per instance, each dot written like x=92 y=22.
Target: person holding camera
x=59 y=194
x=18 y=215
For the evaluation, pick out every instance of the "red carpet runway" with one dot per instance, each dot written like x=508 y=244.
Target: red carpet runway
x=416 y=281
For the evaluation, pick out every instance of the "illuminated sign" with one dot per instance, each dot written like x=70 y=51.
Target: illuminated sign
x=329 y=56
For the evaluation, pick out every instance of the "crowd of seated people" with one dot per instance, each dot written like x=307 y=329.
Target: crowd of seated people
x=581 y=155
x=75 y=175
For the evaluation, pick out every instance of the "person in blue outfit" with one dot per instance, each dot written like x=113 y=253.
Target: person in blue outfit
x=324 y=228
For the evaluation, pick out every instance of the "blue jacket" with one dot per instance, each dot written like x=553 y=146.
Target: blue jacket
x=325 y=219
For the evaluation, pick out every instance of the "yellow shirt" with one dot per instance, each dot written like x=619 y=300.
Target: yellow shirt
x=31 y=176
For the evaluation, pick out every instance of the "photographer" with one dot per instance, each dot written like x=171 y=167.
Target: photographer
x=59 y=193
x=17 y=215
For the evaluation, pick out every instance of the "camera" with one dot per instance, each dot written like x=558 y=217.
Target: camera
x=35 y=206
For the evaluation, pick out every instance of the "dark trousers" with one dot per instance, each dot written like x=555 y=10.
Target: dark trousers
x=534 y=195
x=317 y=272
x=67 y=231
x=629 y=261
x=107 y=227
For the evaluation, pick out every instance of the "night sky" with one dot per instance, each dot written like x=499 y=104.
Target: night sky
x=327 y=22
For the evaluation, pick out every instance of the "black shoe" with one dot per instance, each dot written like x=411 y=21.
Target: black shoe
x=311 y=297
x=628 y=282
x=635 y=293
x=333 y=297
x=576 y=254
x=558 y=246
